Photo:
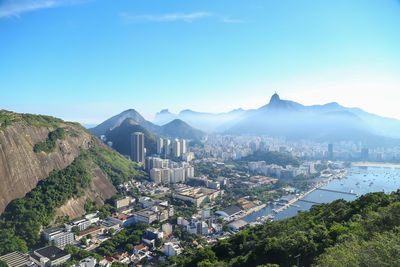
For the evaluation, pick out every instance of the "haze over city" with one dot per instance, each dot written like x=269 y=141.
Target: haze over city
x=88 y=60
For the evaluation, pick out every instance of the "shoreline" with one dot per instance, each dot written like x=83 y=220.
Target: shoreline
x=375 y=164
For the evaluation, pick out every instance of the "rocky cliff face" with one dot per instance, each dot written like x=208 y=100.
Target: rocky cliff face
x=21 y=168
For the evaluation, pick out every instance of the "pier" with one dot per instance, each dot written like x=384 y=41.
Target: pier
x=309 y=201
x=337 y=191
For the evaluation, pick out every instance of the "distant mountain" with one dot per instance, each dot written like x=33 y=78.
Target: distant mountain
x=88 y=125
x=117 y=120
x=121 y=137
x=180 y=129
x=326 y=123
x=135 y=122
x=208 y=122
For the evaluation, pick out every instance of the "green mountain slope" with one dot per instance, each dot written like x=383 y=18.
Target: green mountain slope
x=75 y=165
x=364 y=232
x=117 y=120
x=121 y=137
x=180 y=129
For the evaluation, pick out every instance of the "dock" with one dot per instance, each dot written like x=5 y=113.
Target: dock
x=309 y=201
x=337 y=191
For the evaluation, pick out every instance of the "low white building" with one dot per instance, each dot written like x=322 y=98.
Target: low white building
x=172 y=249
x=59 y=236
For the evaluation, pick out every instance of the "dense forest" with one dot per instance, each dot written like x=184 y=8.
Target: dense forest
x=364 y=232
x=273 y=157
x=21 y=222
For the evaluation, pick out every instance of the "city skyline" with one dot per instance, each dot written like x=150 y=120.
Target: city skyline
x=89 y=60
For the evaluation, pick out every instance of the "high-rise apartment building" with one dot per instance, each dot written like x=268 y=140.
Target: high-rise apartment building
x=160 y=146
x=167 y=147
x=137 y=147
x=176 y=148
x=183 y=147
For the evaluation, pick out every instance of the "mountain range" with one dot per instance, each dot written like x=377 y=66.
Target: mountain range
x=118 y=130
x=325 y=123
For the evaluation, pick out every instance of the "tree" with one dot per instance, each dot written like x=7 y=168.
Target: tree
x=3 y=264
x=225 y=228
x=84 y=241
x=159 y=242
x=75 y=230
x=129 y=247
x=111 y=231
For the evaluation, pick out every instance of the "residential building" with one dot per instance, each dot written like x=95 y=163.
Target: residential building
x=156 y=175
x=183 y=147
x=153 y=233
x=176 y=148
x=167 y=228
x=160 y=146
x=172 y=249
x=149 y=215
x=61 y=237
x=123 y=202
x=137 y=147
x=166 y=176
x=177 y=175
x=123 y=220
x=167 y=147
x=82 y=224
x=86 y=262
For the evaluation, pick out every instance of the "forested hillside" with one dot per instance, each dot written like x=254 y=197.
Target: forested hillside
x=49 y=162
x=364 y=232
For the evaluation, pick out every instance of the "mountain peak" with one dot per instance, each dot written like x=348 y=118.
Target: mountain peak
x=275 y=98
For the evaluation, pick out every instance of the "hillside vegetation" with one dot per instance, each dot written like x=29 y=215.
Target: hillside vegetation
x=49 y=144
x=8 y=118
x=58 y=161
x=364 y=232
x=121 y=137
x=23 y=218
x=273 y=157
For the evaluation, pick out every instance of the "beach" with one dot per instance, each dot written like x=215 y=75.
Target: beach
x=376 y=164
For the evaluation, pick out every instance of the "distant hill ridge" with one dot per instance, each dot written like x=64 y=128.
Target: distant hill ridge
x=325 y=123
x=175 y=129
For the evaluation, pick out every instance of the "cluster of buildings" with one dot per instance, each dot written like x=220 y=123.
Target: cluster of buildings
x=166 y=171
x=230 y=147
x=89 y=224
x=274 y=170
x=175 y=148
x=197 y=195
x=153 y=210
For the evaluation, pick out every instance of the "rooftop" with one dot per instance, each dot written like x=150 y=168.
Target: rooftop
x=15 y=259
x=231 y=210
x=51 y=252
x=53 y=230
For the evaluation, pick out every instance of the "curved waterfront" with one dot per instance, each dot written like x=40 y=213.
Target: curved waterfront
x=360 y=180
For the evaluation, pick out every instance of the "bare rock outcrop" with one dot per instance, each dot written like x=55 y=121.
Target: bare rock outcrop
x=21 y=168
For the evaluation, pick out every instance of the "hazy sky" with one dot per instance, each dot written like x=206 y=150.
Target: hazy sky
x=86 y=60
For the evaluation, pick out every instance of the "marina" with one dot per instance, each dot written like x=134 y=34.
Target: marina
x=356 y=182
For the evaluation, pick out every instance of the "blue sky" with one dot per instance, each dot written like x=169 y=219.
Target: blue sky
x=86 y=60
